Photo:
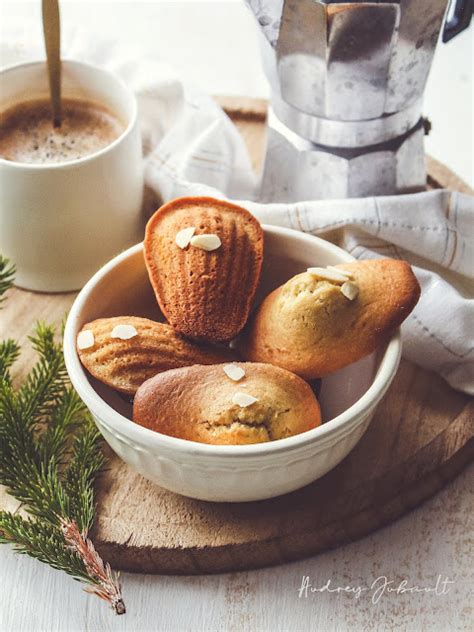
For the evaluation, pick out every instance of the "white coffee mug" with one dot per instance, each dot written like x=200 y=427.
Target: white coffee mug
x=59 y=223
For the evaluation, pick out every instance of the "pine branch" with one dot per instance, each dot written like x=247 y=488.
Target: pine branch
x=9 y=349
x=49 y=457
x=43 y=542
x=65 y=549
x=79 y=476
x=69 y=412
x=40 y=393
x=9 y=352
x=7 y=272
x=107 y=586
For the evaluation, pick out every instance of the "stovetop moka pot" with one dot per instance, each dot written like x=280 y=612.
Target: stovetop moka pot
x=347 y=82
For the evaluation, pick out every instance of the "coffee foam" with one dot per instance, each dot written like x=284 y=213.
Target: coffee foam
x=27 y=134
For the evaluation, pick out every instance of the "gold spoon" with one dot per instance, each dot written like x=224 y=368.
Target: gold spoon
x=52 y=41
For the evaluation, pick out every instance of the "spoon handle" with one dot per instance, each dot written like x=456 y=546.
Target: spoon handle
x=52 y=40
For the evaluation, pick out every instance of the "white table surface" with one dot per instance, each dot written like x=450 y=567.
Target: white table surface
x=436 y=539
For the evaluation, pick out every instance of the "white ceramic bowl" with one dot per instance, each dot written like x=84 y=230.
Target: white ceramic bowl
x=229 y=473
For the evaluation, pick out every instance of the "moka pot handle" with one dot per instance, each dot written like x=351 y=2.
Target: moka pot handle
x=460 y=19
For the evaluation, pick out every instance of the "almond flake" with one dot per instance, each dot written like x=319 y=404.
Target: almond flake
x=346 y=273
x=327 y=275
x=184 y=236
x=85 y=339
x=233 y=371
x=206 y=242
x=350 y=290
x=243 y=399
x=124 y=332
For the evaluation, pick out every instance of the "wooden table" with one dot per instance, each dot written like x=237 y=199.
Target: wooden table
x=434 y=539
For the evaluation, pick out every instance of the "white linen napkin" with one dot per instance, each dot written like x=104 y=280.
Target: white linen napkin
x=192 y=148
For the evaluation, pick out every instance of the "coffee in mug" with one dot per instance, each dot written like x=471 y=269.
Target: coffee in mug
x=27 y=133
x=70 y=197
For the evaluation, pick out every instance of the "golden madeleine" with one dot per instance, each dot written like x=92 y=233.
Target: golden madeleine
x=124 y=351
x=238 y=403
x=313 y=325
x=204 y=258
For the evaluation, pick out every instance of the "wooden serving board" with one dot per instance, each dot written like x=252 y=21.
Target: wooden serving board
x=421 y=437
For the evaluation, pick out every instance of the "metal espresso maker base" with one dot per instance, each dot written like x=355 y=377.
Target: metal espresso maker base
x=347 y=83
x=296 y=169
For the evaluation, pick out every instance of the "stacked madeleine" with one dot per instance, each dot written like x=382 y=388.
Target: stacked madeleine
x=204 y=258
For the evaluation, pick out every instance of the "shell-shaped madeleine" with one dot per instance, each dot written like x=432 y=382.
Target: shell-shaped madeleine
x=205 y=404
x=204 y=258
x=125 y=351
x=315 y=326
